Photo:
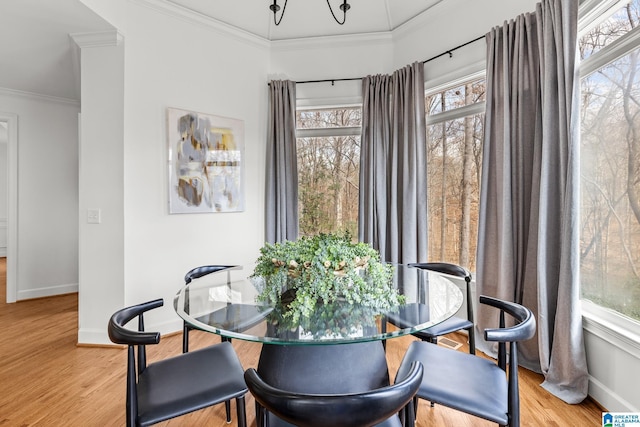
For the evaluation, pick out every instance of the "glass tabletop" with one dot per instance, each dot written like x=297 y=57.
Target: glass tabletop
x=217 y=304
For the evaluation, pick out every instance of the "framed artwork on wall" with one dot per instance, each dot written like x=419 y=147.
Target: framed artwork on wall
x=206 y=162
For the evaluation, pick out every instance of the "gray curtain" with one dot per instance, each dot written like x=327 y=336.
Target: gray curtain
x=528 y=247
x=393 y=177
x=281 y=204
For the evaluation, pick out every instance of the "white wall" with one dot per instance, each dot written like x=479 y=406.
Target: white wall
x=202 y=70
x=196 y=67
x=613 y=352
x=331 y=57
x=449 y=24
x=101 y=176
x=48 y=193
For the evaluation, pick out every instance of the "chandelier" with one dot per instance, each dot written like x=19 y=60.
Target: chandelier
x=275 y=8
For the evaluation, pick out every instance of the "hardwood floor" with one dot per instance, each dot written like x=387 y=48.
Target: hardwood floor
x=47 y=380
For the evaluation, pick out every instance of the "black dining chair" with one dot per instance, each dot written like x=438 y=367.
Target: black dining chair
x=178 y=385
x=455 y=323
x=473 y=384
x=196 y=273
x=379 y=407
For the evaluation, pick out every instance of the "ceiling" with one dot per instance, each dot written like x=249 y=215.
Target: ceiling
x=310 y=18
x=36 y=52
x=38 y=56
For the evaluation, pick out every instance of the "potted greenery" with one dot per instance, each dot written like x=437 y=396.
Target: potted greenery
x=327 y=269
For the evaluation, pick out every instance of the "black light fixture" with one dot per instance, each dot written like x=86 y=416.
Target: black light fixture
x=275 y=8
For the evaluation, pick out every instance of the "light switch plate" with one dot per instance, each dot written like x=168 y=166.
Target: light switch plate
x=93 y=216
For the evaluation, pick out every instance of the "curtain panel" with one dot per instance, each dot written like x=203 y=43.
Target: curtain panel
x=281 y=193
x=393 y=177
x=528 y=247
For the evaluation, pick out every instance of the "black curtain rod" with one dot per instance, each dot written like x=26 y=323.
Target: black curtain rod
x=446 y=52
x=449 y=52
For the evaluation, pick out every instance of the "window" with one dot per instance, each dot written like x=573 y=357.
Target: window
x=454 y=158
x=328 y=145
x=617 y=24
x=610 y=156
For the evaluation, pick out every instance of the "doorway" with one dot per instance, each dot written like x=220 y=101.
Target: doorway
x=4 y=139
x=9 y=196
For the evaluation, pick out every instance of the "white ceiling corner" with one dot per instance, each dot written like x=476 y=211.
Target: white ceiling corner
x=48 y=61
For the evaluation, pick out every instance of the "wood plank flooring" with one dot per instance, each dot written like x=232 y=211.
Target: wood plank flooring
x=47 y=380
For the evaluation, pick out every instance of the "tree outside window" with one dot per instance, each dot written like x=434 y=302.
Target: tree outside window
x=328 y=170
x=454 y=159
x=610 y=163
x=328 y=147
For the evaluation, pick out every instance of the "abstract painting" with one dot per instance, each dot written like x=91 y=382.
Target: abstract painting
x=206 y=155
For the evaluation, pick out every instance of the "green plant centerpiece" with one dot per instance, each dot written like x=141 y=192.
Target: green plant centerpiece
x=316 y=281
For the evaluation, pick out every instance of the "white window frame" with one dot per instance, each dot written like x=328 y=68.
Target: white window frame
x=606 y=323
x=328 y=132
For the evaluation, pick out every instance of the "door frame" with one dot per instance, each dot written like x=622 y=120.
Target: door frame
x=12 y=204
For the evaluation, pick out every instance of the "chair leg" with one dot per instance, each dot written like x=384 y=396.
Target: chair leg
x=241 y=412
x=408 y=414
x=227 y=407
x=472 y=341
x=185 y=338
x=383 y=330
x=262 y=416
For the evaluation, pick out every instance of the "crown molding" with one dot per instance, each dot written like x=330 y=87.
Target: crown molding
x=351 y=40
x=97 y=39
x=194 y=17
x=38 y=96
x=409 y=27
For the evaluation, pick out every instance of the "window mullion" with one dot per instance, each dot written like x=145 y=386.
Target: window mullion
x=328 y=132
x=457 y=113
x=617 y=49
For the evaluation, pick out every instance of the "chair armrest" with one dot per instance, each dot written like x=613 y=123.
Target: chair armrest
x=444 y=268
x=523 y=330
x=121 y=335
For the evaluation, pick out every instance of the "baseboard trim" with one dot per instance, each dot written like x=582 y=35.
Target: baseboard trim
x=112 y=346
x=47 y=292
x=100 y=337
x=93 y=337
x=607 y=398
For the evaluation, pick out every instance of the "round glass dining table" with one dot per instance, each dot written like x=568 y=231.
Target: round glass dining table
x=338 y=349
x=216 y=304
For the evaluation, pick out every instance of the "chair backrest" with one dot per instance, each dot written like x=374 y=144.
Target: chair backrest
x=336 y=410
x=121 y=335
x=206 y=269
x=523 y=329
x=451 y=270
x=196 y=273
